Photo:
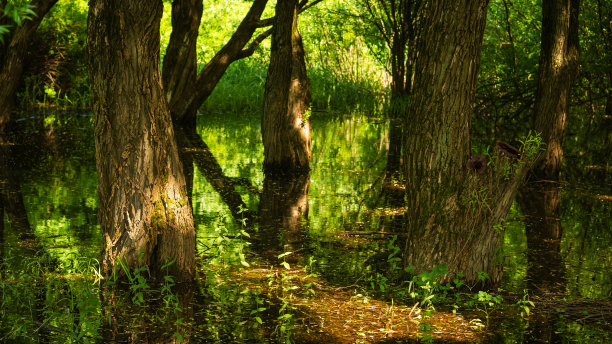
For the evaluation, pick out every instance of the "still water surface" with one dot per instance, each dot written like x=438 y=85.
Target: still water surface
x=54 y=157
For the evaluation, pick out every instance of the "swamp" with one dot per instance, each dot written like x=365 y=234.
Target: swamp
x=353 y=181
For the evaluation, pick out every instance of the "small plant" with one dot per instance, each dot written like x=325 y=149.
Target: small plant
x=258 y=309
x=531 y=145
x=138 y=282
x=425 y=328
x=525 y=305
x=486 y=302
x=425 y=285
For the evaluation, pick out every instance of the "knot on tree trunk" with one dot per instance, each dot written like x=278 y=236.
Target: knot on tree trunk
x=477 y=163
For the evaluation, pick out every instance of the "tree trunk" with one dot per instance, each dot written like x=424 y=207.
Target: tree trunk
x=180 y=68
x=285 y=126
x=452 y=209
x=540 y=199
x=12 y=55
x=557 y=71
x=143 y=211
x=185 y=94
x=402 y=49
x=186 y=90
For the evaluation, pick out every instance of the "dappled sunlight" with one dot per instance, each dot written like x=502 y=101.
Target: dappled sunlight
x=332 y=314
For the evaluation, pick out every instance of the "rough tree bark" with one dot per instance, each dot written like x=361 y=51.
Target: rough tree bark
x=143 y=210
x=452 y=209
x=12 y=55
x=285 y=126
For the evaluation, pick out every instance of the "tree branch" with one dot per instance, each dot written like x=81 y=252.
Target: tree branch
x=253 y=45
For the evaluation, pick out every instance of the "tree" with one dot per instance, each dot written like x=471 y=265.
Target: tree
x=285 y=125
x=559 y=64
x=186 y=89
x=452 y=209
x=143 y=211
x=396 y=23
x=540 y=199
x=16 y=32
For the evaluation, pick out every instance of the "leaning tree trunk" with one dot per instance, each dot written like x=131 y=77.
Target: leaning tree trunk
x=186 y=90
x=452 y=209
x=12 y=56
x=143 y=207
x=285 y=126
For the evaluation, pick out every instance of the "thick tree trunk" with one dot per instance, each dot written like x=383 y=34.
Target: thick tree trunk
x=557 y=71
x=285 y=126
x=12 y=55
x=143 y=206
x=452 y=210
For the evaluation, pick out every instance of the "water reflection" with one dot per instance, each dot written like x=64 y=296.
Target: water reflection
x=311 y=216
x=541 y=205
x=10 y=193
x=283 y=215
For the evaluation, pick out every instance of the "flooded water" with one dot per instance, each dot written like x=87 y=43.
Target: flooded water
x=296 y=271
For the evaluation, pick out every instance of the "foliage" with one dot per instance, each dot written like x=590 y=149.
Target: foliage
x=14 y=13
x=55 y=71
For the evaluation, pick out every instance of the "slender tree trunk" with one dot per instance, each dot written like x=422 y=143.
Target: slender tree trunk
x=186 y=90
x=559 y=64
x=540 y=198
x=180 y=68
x=185 y=95
x=400 y=91
x=12 y=56
x=452 y=209
x=143 y=206
x=285 y=126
